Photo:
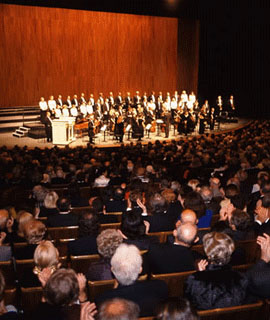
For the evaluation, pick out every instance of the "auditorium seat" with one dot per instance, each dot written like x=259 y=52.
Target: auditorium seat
x=162 y=235
x=253 y=311
x=82 y=263
x=11 y=297
x=105 y=226
x=57 y=233
x=175 y=281
x=8 y=271
x=30 y=299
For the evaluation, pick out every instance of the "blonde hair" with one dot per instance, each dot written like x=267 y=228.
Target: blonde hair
x=46 y=256
x=34 y=231
x=50 y=200
x=22 y=218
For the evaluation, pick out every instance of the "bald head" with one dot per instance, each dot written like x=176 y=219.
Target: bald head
x=118 y=309
x=189 y=215
x=186 y=233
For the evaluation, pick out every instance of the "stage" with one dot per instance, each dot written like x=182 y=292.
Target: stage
x=7 y=139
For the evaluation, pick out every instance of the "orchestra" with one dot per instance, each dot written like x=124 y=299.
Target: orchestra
x=147 y=112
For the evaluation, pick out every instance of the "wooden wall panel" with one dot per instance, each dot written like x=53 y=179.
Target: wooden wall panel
x=188 y=54
x=48 y=51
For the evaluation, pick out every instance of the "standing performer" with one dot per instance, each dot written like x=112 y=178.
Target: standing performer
x=68 y=102
x=119 y=127
x=48 y=126
x=212 y=118
x=231 y=107
x=219 y=106
x=167 y=117
x=91 y=129
x=187 y=123
x=202 y=120
x=43 y=109
x=106 y=111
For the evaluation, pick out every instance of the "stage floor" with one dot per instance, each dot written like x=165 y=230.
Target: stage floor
x=7 y=139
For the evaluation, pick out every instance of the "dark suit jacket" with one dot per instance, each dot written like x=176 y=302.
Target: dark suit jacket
x=147 y=294
x=168 y=258
x=160 y=222
x=25 y=252
x=83 y=246
x=259 y=279
x=100 y=270
x=62 y=220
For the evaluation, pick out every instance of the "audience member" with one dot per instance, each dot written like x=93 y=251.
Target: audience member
x=64 y=217
x=215 y=285
x=117 y=309
x=176 y=257
x=88 y=231
x=176 y=309
x=7 y=312
x=107 y=242
x=126 y=267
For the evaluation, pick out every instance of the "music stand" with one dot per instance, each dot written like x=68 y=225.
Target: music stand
x=147 y=128
x=128 y=128
x=159 y=122
x=103 y=129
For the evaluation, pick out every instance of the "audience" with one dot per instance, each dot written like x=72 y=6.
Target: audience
x=149 y=184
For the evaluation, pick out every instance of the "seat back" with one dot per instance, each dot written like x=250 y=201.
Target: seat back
x=96 y=288
x=10 y=297
x=253 y=311
x=30 y=299
x=82 y=263
x=162 y=235
x=110 y=226
x=175 y=281
x=7 y=268
x=251 y=248
x=57 y=233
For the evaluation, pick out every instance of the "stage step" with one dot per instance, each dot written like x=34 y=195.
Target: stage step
x=17 y=134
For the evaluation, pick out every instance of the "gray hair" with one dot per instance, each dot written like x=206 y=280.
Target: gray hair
x=126 y=264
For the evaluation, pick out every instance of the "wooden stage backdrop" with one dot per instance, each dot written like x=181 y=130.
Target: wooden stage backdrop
x=48 y=51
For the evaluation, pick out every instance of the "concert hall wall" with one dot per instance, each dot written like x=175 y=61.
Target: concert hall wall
x=55 y=51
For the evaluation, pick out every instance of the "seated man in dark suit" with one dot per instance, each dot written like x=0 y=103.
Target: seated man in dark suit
x=126 y=266
x=88 y=231
x=259 y=274
x=64 y=218
x=177 y=256
x=116 y=203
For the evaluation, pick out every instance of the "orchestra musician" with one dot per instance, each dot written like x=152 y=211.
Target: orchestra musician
x=176 y=96
x=119 y=127
x=159 y=109
x=91 y=101
x=184 y=97
x=73 y=111
x=101 y=98
x=58 y=112
x=231 y=107
x=65 y=111
x=89 y=108
x=68 y=102
x=75 y=101
x=111 y=99
x=152 y=97
x=48 y=126
x=83 y=110
x=106 y=110
x=91 y=128
x=82 y=99
x=59 y=101
x=173 y=106
x=219 y=106
x=136 y=99
x=128 y=101
x=43 y=109
x=119 y=99
x=212 y=118
x=167 y=117
x=186 y=122
x=52 y=104
x=98 y=117
x=202 y=120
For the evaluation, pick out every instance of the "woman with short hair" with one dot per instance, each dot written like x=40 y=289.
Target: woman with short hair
x=216 y=285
